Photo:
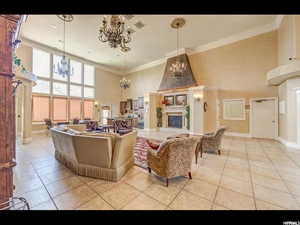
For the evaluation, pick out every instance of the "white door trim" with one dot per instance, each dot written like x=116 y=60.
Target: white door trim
x=251 y=100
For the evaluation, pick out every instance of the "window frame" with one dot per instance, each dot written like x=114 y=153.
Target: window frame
x=242 y=102
x=68 y=82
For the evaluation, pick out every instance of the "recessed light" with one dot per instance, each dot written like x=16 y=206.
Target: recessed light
x=53 y=26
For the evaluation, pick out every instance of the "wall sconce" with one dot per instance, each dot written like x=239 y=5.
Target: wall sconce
x=96 y=104
x=198 y=97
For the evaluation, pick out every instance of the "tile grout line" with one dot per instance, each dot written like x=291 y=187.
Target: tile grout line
x=45 y=187
x=218 y=186
x=251 y=177
x=289 y=191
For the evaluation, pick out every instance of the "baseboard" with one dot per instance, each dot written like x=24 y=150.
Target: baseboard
x=288 y=143
x=39 y=131
x=235 y=134
x=26 y=140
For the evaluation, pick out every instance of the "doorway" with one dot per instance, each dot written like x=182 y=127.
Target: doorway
x=264 y=118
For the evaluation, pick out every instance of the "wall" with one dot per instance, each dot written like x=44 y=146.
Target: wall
x=106 y=83
x=237 y=70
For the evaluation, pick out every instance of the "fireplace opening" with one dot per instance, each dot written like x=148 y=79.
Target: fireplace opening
x=174 y=121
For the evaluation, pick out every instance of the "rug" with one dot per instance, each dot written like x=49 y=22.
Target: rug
x=140 y=151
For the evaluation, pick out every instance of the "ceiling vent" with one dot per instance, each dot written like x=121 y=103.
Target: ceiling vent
x=139 y=25
x=128 y=17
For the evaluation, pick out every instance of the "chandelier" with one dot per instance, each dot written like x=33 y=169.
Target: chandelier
x=63 y=67
x=124 y=83
x=114 y=33
x=178 y=68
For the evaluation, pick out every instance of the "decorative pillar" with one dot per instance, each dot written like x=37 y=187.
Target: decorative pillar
x=8 y=26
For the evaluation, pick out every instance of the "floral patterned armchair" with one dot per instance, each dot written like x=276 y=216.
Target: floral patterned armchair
x=210 y=142
x=173 y=158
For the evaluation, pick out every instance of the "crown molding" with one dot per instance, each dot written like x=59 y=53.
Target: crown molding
x=215 y=44
x=47 y=48
x=236 y=37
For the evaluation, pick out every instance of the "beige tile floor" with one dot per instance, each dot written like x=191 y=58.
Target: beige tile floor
x=249 y=174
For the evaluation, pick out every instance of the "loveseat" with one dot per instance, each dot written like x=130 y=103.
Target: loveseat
x=105 y=155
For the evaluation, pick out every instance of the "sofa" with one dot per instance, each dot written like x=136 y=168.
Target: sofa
x=102 y=155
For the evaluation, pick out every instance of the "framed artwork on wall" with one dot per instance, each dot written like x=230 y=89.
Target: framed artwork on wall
x=180 y=100
x=169 y=100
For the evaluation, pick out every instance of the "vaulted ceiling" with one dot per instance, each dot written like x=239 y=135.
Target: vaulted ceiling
x=151 y=42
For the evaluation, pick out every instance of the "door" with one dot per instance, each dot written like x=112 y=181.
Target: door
x=264 y=118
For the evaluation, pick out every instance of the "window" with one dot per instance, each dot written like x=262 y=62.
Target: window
x=40 y=108
x=88 y=109
x=89 y=92
x=67 y=98
x=56 y=63
x=59 y=88
x=42 y=86
x=76 y=71
x=41 y=63
x=60 y=109
x=105 y=114
x=75 y=90
x=89 y=75
x=75 y=108
x=234 y=109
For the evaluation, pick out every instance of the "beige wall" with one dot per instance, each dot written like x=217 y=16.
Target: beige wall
x=285 y=40
x=237 y=70
x=106 y=83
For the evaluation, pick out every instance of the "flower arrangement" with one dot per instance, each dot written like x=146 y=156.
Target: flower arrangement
x=164 y=102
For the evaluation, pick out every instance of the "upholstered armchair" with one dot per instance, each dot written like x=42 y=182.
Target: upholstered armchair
x=210 y=142
x=173 y=158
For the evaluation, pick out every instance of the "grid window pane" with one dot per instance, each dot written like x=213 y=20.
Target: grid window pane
x=40 y=108
x=89 y=75
x=75 y=109
x=75 y=90
x=88 y=109
x=56 y=62
x=42 y=86
x=59 y=88
x=76 y=72
x=59 y=109
x=89 y=92
x=41 y=63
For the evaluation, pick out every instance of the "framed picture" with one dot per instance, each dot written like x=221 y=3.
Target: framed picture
x=169 y=100
x=180 y=99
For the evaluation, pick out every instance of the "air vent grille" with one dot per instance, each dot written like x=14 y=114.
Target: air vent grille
x=139 y=25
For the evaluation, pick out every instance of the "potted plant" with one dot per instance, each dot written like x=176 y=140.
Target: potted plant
x=187 y=115
x=159 y=116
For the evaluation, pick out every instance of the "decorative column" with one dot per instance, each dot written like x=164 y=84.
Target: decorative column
x=8 y=26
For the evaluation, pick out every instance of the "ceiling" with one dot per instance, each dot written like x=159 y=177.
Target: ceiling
x=152 y=42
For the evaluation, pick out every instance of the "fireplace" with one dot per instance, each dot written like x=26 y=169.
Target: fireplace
x=175 y=121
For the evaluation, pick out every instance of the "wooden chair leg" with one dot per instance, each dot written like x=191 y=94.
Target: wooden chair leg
x=190 y=175
x=219 y=152
x=196 y=156
x=149 y=169
x=201 y=152
x=167 y=182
